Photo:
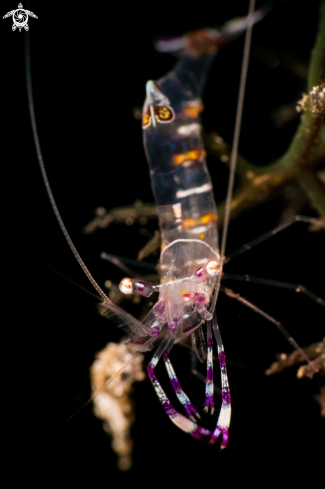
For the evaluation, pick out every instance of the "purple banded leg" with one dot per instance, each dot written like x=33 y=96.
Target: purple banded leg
x=178 y=419
x=209 y=382
x=225 y=411
x=182 y=397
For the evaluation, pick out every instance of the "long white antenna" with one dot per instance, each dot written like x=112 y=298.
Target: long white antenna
x=45 y=177
x=127 y=318
x=234 y=151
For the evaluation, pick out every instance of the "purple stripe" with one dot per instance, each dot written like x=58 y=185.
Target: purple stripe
x=217 y=432
x=190 y=410
x=201 y=434
x=209 y=402
x=222 y=359
x=150 y=370
x=175 y=384
x=226 y=397
x=210 y=374
x=225 y=438
x=155 y=331
x=166 y=354
x=168 y=408
x=209 y=341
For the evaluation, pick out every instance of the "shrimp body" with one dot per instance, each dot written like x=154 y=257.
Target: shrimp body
x=183 y=191
x=187 y=214
x=180 y=179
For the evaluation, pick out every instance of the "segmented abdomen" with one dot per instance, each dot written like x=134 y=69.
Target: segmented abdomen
x=174 y=148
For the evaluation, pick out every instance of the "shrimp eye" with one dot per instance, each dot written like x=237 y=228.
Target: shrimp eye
x=164 y=114
x=126 y=286
x=212 y=267
x=138 y=287
x=146 y=119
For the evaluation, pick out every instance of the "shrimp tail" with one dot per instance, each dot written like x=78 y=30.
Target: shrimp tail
x=208 y=41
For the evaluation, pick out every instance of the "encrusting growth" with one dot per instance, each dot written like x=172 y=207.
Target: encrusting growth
x=113 y=403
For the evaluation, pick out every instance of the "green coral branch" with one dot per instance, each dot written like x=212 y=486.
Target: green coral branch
x=305 y=153
x=316 y=71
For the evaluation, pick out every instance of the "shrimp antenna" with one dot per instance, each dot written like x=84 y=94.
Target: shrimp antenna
x=234 y=150
x=45 y=177
x=126 y=317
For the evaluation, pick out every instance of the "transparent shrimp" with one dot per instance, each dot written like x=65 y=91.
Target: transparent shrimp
x=83 y=218
x=190 y=259
x=190 y=262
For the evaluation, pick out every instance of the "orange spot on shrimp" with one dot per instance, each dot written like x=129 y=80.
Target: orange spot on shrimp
x=210 y=217
x=194 y=155
x=201 y=235
x=146 y=118
x=193 y=111
x=186 y=295
x=204 y=219
x=188 y=223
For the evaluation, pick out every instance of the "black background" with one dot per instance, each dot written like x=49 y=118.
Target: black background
x=90 y=62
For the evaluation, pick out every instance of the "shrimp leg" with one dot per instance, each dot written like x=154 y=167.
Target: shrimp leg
x=182 y=397
x=225 y=411
x=276 y=283
x=177 y=418
x=199 y=376
x=209 y=386
x=293 y=343
x=272 y=232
